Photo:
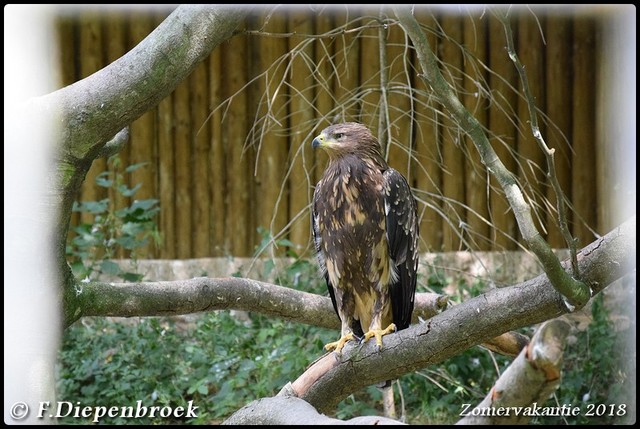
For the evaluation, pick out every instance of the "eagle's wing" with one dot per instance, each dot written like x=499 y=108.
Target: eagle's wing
x=402 y=234
x=319 y=254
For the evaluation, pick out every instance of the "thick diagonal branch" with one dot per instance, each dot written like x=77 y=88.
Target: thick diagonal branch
x=575 y=292
x=464 y=325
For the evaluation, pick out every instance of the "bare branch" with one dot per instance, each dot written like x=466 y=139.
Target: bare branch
x=537 y=135
x=530 y=379
x=383 y=119
x=289 y=410
x=463 y=326
x=116 y=144
x=576 y=293
x=208 y=294
x=508 y=344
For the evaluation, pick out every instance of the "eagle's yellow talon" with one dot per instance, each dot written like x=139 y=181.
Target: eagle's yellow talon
x=379 y=333
x=338 y=345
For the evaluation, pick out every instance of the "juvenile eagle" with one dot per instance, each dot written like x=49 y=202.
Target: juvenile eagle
x=365 y=229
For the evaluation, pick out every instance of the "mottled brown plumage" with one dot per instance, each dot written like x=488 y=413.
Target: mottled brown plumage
x=366 y=234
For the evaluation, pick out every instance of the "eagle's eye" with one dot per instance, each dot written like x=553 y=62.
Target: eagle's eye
x=338 y=136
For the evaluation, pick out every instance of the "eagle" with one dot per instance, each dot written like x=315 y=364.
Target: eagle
x=365 y=229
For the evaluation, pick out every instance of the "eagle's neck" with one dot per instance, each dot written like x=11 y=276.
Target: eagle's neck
x=347 y=164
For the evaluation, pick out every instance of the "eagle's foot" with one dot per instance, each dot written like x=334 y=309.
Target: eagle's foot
x=338 y=345
x=379 y=333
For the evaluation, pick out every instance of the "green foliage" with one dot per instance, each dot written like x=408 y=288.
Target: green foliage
x=91 y=246
x=222 y=362
x=218 y=361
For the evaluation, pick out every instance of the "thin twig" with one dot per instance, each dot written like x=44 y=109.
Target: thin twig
x=330 y=34
x=548 y=152
x=383 y=118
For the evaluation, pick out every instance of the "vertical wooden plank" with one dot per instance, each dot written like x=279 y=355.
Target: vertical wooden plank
x=142 y=132
x=238 y=224
x=477 y=211
x=427 y=159
x=91 y=60
x=501 y=123
x=400 y=144
x=199 y=103
x=66 y=27
x=166 y=172
x=217 y=160
x=369 y=69
x=453 y=185
x=272 y=196
x=559 y=110
x=183 y=167
x=301 y=125
x=346 y=60
x=583 y=181
x=324 y=101
x=532 y=168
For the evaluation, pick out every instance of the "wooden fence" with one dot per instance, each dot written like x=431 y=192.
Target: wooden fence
x=229 y=151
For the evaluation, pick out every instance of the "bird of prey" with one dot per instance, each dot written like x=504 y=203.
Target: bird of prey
x=365 y=229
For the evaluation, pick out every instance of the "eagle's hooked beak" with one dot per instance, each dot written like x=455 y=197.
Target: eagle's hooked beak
x=319 y=141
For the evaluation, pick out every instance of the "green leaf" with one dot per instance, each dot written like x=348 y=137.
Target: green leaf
x=132 y=228
x=131 y=243
x=128 y=192
x=109 y=267
x=93 y=207
x=131 y=277
x=144 y=205
x=103 y=179
x=203 y=390
x=285 y=242
x=134 y=167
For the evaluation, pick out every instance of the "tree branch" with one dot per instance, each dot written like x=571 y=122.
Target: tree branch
x=464 y=325
x=383 y=118
x=531 y=378
x=116 y=144
x=170 y=298
x=576 y=292
x=289 y=410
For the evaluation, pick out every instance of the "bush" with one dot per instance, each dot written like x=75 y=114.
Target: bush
x=92 y=245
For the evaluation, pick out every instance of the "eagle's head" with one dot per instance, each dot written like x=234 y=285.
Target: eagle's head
x=347 y=138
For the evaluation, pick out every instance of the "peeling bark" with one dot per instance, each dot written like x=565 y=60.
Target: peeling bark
x=530 y=379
